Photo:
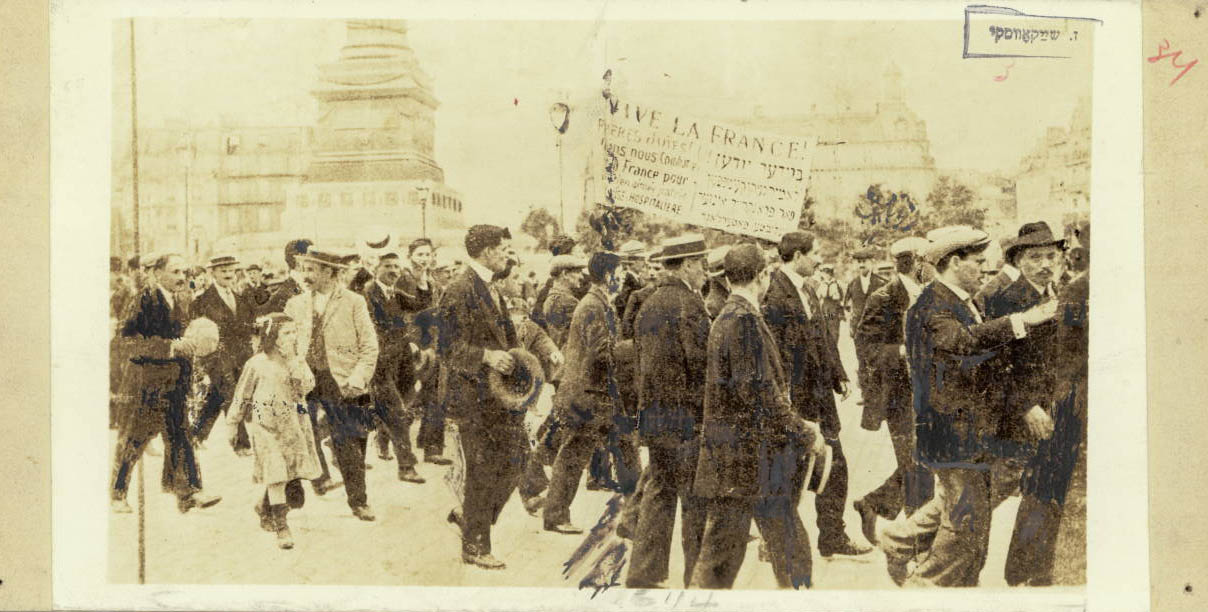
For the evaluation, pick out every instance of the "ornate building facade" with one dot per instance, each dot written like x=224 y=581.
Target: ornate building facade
x=1054 y=180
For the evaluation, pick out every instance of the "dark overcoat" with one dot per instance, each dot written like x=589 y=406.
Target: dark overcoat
x=882 y=332
x=588 y=395
x=470 y=323
x=671 y=335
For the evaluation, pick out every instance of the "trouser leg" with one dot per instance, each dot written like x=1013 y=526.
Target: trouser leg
x=533 y=482
x=313 y=406
x=723 y=543
x=573 y=455
x=349 y=451
x=830 y=505
x=959 y=551
x=216 y=399
x=652 y=539
x=788 y=543
x=132 y=441
x=390 y=411
x=693 y=508
x=431 y=437
x=181 y=474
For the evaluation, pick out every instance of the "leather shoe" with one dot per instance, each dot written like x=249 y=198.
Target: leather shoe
x=454 y=518
x=845 y=548
x=437 y=459
x=868 y=520
x=565 y=528
x=363 y=513
x=119 y=506
x=244 y=452
x=897 y=571
x=197 y=500
x=410 y=475
x=484 y=561
x=325 y=485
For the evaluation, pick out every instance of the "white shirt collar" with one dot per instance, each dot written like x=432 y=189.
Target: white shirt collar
x=1011 y=271
x=911 y=286
x=960 y=293
x=385 y=289
x=748 y=295
x=482 y=271
x=167 y=296
x=797 y=279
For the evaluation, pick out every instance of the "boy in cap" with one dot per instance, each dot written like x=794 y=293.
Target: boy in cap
x=234 y=316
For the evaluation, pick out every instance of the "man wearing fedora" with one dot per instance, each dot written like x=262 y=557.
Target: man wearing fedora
x=256 y=291
x=883 y=333
x=588 y=399
x=815 y=373
x=671 y=333
x=394 y=373
x=858 y=290
x=948 y=344
x=474 y=338
x=294 y=284
x=234 y=316
x=751 y=440
x=159 y=371
x=337 y=334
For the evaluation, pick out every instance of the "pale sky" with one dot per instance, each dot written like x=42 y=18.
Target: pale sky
x=501 y=155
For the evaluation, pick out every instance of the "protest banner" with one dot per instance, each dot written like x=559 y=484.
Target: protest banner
x=702 y=172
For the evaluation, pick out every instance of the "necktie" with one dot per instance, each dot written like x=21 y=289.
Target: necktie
x=228 y=298
x=805 y=299
x=972 y=308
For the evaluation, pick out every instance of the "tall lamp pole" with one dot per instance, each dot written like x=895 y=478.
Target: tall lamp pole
x=142 y=503
x=559 y=116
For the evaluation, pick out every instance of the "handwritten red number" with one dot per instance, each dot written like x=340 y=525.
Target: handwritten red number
x=1002 y=77
x=1174 y=59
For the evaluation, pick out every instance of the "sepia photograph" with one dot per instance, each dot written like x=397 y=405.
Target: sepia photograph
x=658 y=307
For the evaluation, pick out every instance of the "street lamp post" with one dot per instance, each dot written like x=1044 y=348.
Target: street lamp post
x=559 y=116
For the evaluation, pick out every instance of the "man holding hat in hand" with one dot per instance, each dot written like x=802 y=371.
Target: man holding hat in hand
x=948 y=344
x=883 y=333
x=234 y=316
x=341 y=347
x=811 y=359
x=475 y=336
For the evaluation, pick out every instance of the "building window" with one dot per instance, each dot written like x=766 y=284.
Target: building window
x=346 y=199
x=392 y=198
x=324 y=200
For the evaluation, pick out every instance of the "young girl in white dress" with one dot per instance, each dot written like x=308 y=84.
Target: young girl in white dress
x=270 y=398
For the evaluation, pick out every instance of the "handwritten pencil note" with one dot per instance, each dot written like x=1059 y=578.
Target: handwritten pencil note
x=1164 y=52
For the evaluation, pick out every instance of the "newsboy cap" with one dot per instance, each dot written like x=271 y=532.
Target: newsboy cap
x=945 y=240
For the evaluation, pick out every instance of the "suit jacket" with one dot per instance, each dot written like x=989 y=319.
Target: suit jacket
x=671 y=334
x=857 y=297
x=947 y=350
x=997 y=283
x=588 y=393
x=391 y=324
x=716 y=298
x=633 y=305
x=348 y=336
x=748 y=419
x=807 y=351
x=559 y=310
x=882 y=332
x=470 y=323
x=412 y=298
x=258 y=296
x=286 y=290
x=1023 y=372
x=145 y=334
x=628 y=286
x=234 y=330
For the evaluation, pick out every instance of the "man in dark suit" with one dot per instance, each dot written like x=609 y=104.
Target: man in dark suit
x=294 y=283
x=671 y=333
x=948 y=343
x=559 y=245
x=883 y=333
x=998 y=280
x=256 y=292
x=794 y=314
x=234 y=316
x=474 y=337
x=752 y=440
x=159 y=375
x=858 y=290
x=830 y=294
x=588 y=399
x=417 y=289
x=566 y=271
x=395 y=351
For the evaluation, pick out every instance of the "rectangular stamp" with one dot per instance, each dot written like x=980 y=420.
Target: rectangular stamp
x=994 y=31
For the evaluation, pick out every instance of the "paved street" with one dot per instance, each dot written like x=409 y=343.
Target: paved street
x=410 y=543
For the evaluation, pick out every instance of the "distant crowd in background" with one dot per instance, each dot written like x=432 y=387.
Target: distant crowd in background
x=722 y=361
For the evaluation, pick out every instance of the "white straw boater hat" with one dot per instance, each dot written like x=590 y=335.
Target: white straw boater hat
x=682 y=247
x=326 y=257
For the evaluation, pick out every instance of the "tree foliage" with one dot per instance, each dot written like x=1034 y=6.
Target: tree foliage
x=951 y=203
x=541 y=225
x=883 y=216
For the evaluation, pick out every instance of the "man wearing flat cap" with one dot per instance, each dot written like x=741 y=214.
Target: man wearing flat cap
x=566 y=272
x=559 y=245
x=474 y=337
x=815 y=373
x=234 y=316
x=883 y=333
x=294 y=284
x=671 y=333
x=717 y=289
x=948 y=343
x=752 y=440
x=341 y=347
x=858 y=290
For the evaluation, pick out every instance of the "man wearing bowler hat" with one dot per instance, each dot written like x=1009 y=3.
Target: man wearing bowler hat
x=474 y=338
x=751 y=440
x=337 y=333
x=671 y=333
x=883 y=333
x=234 y=316
x=815 y=373
x=948 y=344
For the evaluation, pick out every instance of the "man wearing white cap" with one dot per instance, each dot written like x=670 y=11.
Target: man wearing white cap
x=883 y=332
x=566 y=272
x=947 y=343
x=234 y=315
